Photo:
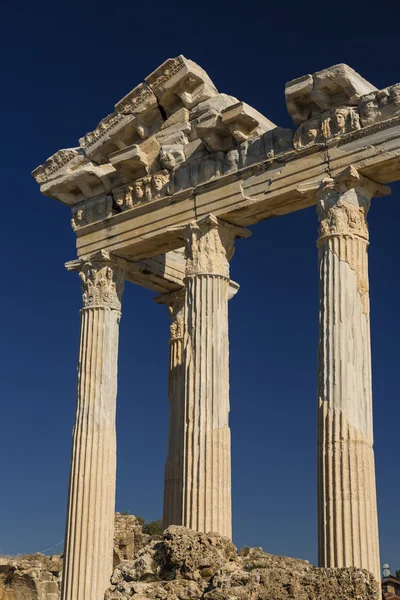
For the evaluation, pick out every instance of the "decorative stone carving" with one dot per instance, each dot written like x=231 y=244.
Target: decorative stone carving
x=337 y=86
x=53 y=164
x=380 y=106
x=329 y=124
x=102 y=280
x=92 y=211
x=244 y=121
x=342 y=218
x=138 y=100
x=180 y=82
x=142 y=190
x=171 y=156
x=209 y=247
x=101 y=287
x=132 y=162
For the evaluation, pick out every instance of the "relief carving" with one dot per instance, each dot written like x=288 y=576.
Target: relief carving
x=380 y=106
x=53 y=164
x=91 y=211
x=105 y=125
x=145 y=189
x=172 y=156
x=330 y=124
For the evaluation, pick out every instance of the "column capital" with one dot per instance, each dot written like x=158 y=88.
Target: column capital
x=175 y=303
x=343 y=203
x=102 y=280
x=351 y=179
x=210 y=246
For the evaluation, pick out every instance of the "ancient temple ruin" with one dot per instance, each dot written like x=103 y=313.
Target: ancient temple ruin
x=159 y=192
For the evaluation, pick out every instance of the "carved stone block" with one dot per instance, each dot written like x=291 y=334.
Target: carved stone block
x=180 y=82
x=131 y=162
x=243 y=121
x=90 y=211
x=329 y=124
x=380 y=106
x=334 y=87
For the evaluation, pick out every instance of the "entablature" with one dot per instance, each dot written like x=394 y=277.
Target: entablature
x=175 y=149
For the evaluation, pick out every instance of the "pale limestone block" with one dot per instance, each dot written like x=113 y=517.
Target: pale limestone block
x=243 y=121
x=213 y=133
x=180 y=82
x=180 y=116
x=83 y=182
x=330 y=88
x=131 y=162
x=177 y=133
x=217 y=103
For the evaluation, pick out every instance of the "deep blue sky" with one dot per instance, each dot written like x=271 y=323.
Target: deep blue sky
x=64 y=65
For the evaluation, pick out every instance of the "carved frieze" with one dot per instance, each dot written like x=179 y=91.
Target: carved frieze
x=380 y=106
x=330 y=124
x=141 y=98
x=142 y=190
x=102 y=128
x=92 y=210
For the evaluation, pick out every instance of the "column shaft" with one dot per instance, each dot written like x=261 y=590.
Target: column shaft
x=207 y=446
x=207 y=470
x=347 y=510
x=88 y=559
x=173 y=474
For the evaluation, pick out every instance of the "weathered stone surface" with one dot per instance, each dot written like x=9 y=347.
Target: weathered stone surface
x=34 y=577
x=185 y=565
x=38 y=577
x=330 y=88
x=128 y=537
x=348 y=518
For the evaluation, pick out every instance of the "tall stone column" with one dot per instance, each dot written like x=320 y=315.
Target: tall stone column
x=207 y=444
x=347 y=511
x=88 y=561
x=173 y=473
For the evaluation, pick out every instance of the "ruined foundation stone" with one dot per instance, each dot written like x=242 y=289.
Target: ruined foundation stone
x=189 y=565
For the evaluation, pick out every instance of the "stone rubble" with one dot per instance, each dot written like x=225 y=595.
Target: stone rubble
x=185 y=564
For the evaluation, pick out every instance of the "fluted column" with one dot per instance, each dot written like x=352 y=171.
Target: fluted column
x=207 y=444
x=88 y=561
x=173 y=478
x=347 y=511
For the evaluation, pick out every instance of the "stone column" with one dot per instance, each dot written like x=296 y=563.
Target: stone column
x=207 y=445
x=173 y=479
x=347 y=511
x=88 y=561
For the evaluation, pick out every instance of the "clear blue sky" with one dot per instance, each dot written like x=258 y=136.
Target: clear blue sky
x=64 y=66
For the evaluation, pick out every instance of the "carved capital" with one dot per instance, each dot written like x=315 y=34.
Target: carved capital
x=102 y=280
x=209 y=247
x=175 y=303
x=343 y=204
